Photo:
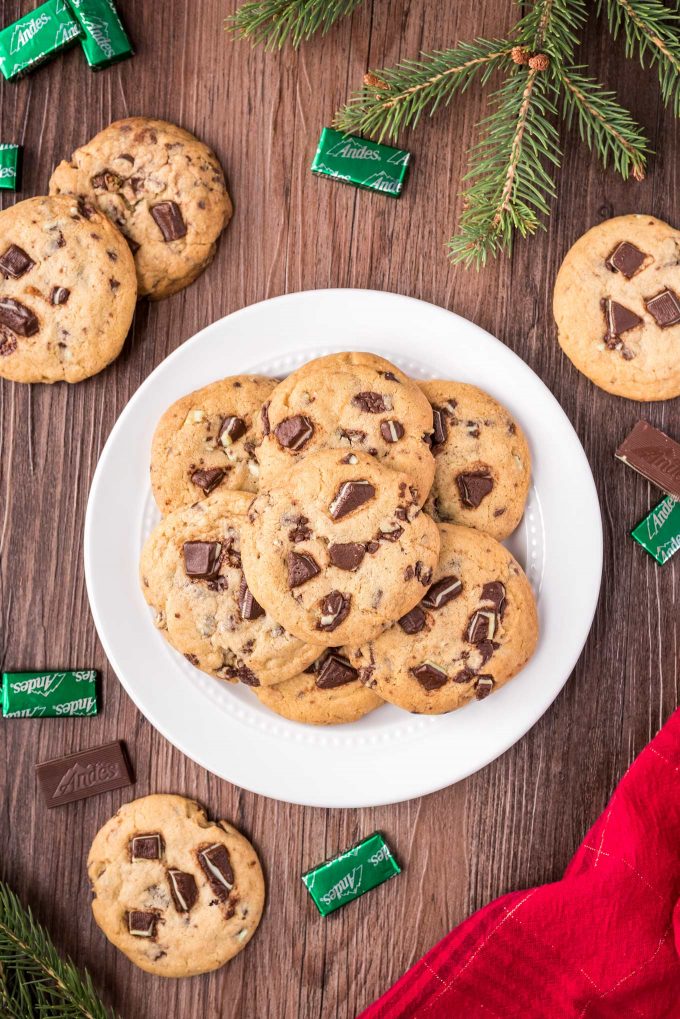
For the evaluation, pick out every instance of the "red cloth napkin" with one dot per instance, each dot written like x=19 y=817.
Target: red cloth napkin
x=602 y=943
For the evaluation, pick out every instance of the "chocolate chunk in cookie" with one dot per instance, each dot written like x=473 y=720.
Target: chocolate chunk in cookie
x=349 y=497
x=168 y=218
x=15 y=262
x=627 y=259
x=664 y=309
x=202 y=559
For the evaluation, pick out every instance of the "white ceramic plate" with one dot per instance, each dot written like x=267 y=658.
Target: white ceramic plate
x=390 y=755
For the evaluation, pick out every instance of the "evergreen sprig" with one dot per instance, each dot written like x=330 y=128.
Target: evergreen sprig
x=652 y=31
x=34 y=980
x=396 y=97
x=509 y=182
x=274 y=22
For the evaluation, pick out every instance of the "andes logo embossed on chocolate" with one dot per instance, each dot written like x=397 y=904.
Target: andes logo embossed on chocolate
x=83 y=774
x=79 y=777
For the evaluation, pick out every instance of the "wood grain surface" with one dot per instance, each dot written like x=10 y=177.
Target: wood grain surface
x=516 y=822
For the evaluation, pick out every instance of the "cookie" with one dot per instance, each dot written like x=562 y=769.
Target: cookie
x=617 y=307
x=483 y=465
x=67 y=291
x=191 y=576
x=326 y=693
x=207 y=440
x=339 y=549
x=177 y=893
x=474 y=629
x=349 y=401
x=163 y=188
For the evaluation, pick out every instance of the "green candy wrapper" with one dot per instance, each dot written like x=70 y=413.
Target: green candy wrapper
x=104 y=41
x=360 y=162
x=10 y=167
x=336 y=882
x=36 y=37
x=659 y=532
x=49 y=694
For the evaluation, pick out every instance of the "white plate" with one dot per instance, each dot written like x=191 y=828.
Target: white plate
x=390 y=755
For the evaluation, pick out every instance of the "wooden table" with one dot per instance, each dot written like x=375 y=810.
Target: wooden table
x=516 y=822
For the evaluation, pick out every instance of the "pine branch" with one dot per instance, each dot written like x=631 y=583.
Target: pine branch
x=653 y=31
x=604 y=125
x=510 y=183
x=552 y=27
x=396 y=97
x=275 y=22
x=34 y=980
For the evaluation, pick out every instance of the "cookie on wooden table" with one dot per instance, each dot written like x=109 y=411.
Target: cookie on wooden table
x=617 y=307
x=162 y=187
x=328 y=692
x=208 y=440
x=67 y=291
x=176 y=893
x=352 y=401
x=339 y=548
x=191 y=576
x=474 y=629
x=483 y=464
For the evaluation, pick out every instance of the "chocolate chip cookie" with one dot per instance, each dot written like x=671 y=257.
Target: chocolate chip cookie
x=617 y=307
x=191 y=576
x=67 y=291
x=328 y=692
x=483 y=465
x=350 y=401
x=162 y=187
x=475 y=627
x=338 y=549
x=207 y=440
x=176 y=893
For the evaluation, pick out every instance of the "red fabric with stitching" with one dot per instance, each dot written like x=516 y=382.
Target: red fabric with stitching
x=602 y=943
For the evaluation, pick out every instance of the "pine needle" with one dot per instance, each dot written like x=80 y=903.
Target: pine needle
x=275 y=22
x=34 y=980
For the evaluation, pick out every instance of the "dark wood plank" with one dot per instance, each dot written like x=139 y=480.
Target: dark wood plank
x=516 y=822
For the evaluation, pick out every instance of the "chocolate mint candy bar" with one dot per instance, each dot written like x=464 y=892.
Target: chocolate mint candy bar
x=104 y=41
x=49 y=694
x=36 y=37
x=659 y=532
x=10 y=167
x=336 y=882
x=84 y=774
x=653 y=455
x=364 y=164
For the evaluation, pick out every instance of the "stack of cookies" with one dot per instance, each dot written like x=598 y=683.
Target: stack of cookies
x=136 y=212
x=333 y=540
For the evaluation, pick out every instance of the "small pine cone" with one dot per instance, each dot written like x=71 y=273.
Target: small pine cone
x=520 y=54
x=539 y=63
x=372 y=80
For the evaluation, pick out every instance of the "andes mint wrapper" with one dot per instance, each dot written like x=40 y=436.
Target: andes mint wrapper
x=36 y=37
x=104 y=41
x=336 y=882
x=363 y=163
x=49 y=694
x=10 y=167
x=659 y=532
